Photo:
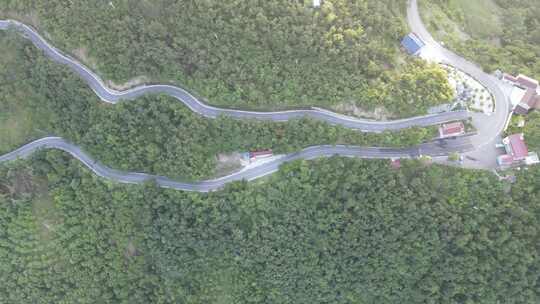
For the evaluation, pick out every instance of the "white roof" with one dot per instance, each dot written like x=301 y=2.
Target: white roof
x=532 y=159
x=517 y=95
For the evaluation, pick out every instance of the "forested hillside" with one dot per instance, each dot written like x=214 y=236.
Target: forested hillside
x=154 y=134
x=498 y=34
x=250 y=54
x=327 y=231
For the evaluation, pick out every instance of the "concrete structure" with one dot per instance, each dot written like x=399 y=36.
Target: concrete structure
x=316 y=3
x=451 y=129
x=412 y=44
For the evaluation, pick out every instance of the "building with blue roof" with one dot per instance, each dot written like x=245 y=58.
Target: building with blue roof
x=412 y=44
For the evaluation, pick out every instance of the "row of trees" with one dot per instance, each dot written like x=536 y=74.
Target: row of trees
x=270 y=54
x=327 y=231
x=156 y=134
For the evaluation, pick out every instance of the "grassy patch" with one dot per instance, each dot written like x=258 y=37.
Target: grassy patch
x=44 y=211
x=19 y=121
x=462 y=19
x=481 y=17
x=18 y=124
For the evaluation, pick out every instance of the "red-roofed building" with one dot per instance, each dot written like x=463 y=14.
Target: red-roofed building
x=527 y=82
x=451 y=129
x=530 y=100
x=516 y=152
x=527 y=103
x=516 y=147
x=254 y=155
x=510 y=78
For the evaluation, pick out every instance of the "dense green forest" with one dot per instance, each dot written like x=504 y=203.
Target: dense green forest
x=250 y=54
x=497 y=34
x=327 y=231
x=155 y=134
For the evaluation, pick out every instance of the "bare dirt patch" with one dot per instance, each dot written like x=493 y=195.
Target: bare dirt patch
x=82 y=55
x=228 y=163
x=351 y=109
x=128 y=84
x=131 y=250
x=22 y=182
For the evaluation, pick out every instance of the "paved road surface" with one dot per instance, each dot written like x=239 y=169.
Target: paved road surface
x=490 y=127
x=437 y=148
x=112 y=96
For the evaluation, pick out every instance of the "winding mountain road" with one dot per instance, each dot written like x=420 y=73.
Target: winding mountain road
x=434 y=149
x=493 y=125
x=112 y=96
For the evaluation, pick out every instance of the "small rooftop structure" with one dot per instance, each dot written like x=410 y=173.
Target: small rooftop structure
x=451 y=129
x=505 y=160
x=316 y=3
x=532 y=159
x=395 y=163
x=412 y=44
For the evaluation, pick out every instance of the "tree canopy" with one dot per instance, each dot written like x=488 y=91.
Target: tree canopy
x=155 y=133
x=496 y=34
x=326 y=231
x=258 y=55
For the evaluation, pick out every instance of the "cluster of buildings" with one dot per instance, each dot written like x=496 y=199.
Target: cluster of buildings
x=525 y=96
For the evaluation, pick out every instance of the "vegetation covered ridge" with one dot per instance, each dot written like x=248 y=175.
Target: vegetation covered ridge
x=496 y=34
x=327 y=231
x=153 y=134
x=286 y=54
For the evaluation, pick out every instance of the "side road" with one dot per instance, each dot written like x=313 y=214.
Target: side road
x=438 y=148
x=112 y=96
